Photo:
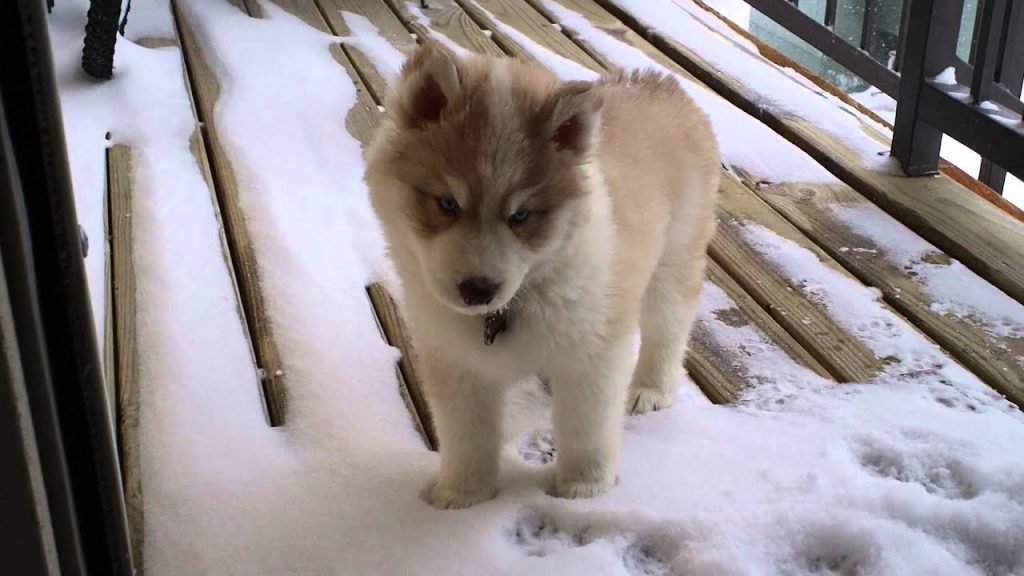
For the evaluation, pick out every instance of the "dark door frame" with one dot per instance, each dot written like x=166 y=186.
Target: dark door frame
x=62 y=502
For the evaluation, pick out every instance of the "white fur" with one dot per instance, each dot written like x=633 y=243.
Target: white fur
x=558 y=329
x=627 y=252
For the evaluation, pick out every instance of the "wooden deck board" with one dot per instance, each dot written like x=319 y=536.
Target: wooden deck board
x=396 y=334
x=123 y=367
x=388 y=26
x=206 y=90
x=753 y=315
x=971 y=340
x=603 y=20
x=719 y=376
x=965 y=226
x=362 y=121
x=845 y=357
x=525 y=19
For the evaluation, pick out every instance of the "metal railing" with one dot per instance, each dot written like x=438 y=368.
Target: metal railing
x=984 y=115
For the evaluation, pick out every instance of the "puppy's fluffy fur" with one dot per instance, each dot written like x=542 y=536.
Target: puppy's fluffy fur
x=587 y=207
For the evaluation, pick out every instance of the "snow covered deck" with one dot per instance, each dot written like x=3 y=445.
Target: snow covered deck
x=865 y=329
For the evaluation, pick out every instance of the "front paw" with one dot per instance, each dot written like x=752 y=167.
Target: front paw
x=644 y=400
x=445 y=497
x=581 y=489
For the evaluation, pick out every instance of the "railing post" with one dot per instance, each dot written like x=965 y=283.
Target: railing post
x=831 y=7
x=930 y=48
x=1008 y=69
x=992 y=15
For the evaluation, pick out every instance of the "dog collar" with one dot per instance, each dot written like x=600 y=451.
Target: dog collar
x=495 y=323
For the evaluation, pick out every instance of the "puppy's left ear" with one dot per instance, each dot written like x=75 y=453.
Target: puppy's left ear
x=572 y=116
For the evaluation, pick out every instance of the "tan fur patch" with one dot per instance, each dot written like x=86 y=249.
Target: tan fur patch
x=494 y=144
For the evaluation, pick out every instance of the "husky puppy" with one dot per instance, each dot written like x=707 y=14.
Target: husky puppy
x=534 y=225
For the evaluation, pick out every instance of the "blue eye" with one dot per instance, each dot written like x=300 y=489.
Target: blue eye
x=518 y=217
x=448 y=205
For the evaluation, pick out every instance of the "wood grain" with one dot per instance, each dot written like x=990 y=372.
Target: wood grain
x=609 y=24
x=448 y=19
x=396 y=334
x=205 y=90
x=965 y=226
x=524 y=18
x=124 y=367
x=387 y=24
x=972 y=340
x=844 y=356
x=362 y=121
x=749 y=314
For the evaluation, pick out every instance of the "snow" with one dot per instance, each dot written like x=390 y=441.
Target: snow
x=858 y=308
x=365 y=36
x=946 y=77
x=91 y=111
x=737 y=11
x=952 y=151
x=157 y=22
x=743 y=139
x=775 y=87
x=953 y=288
x=561 y=66
x=424 y=20
x=917 y=472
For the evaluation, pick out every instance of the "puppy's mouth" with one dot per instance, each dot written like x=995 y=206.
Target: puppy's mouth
x=495 y=318
x=495 y=307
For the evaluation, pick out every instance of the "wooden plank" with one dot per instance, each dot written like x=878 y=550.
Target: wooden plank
x=967 y=227
x=998 y=360
x=396 y=334
x=715 y=368
x=751 y=314
x=206 y=90
x=450 y=20
x=721 y=370
x=389 y=26
x=124 y=366
x=521 y=16
x=109 y=321
x=305 y=10
x=377 y=290
x=601 y=19
x=843 y=355
x=362 y=121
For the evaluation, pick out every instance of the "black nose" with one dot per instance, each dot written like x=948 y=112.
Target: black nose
x=477 y=291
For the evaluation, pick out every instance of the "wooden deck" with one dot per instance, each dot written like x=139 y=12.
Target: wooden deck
x=960 y=223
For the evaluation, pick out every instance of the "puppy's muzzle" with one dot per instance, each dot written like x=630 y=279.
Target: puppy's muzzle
x=478 y=291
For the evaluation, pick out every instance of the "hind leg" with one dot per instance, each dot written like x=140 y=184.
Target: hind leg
x=669 y=309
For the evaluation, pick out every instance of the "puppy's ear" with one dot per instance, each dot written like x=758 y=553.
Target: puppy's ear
x=428 y=85
x=571 y=117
